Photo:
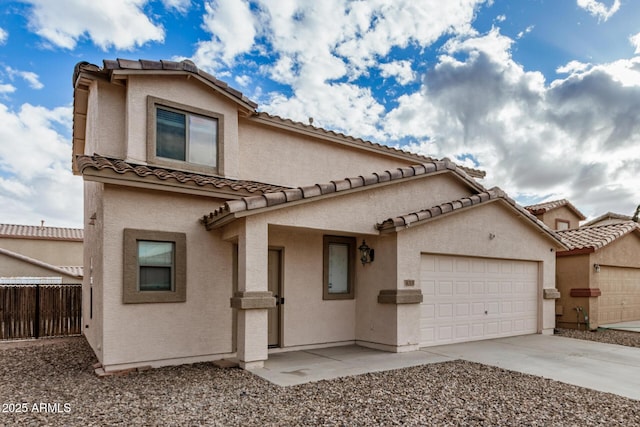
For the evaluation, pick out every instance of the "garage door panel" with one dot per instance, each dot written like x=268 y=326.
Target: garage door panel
x=620 y=300
x=476 y=298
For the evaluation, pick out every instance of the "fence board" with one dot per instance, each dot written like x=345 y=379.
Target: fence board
x=59 y=311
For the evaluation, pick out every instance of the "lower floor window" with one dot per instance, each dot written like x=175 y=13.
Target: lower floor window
x=339 y=253
x=154 y=266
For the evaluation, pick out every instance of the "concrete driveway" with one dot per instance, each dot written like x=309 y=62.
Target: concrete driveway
x=604 y=367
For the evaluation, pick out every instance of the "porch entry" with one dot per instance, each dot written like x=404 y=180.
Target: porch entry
x=275 y=287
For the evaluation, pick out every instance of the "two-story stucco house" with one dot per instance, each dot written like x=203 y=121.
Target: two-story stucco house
x=214 y=231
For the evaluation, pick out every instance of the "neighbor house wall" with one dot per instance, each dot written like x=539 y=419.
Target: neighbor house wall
x=55 y=252
x=564 y=213
x=166 y=333
x=573 y=271
x=13 y=267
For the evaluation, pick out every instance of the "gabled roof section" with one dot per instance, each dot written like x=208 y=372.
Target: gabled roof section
x=485 y=197
x=127 y=66
x=590 y=239
x=248 y=205
x=67 y=271
x=16 y=231
x=545 y=207
x=609 y=216
x=104 y=167
x=280 y=122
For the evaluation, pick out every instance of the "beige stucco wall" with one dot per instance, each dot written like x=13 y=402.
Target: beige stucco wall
x=154 y=334
x=303 y=160
x=467 y=233
x=619 y=264
x=12 y=267
x=106 y=115
x=563 y=213
x=94 y=267
x=54 y=252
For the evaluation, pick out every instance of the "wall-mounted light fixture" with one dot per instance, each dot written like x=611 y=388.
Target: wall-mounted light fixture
x=596 y=268
x=366 y=253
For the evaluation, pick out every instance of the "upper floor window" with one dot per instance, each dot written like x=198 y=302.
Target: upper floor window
x=562 y=224
x=184 y=137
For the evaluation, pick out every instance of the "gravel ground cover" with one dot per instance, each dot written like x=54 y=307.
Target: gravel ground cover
x=610 y=336
x=451 y=393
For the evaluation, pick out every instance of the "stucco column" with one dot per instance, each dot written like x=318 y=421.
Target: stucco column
x=253 y=297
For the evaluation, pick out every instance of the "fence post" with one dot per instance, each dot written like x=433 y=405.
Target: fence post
x=37 y=322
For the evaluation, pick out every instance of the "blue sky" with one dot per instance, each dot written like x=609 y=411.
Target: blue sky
x=542 y=94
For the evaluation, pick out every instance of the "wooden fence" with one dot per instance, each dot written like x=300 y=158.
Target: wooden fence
x=35 y=311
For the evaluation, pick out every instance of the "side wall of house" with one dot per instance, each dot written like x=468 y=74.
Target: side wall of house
x=54 y=252
x=303 y=160
x=106 y=104
x=12 y=267
x=154 y=334
x=94 y=267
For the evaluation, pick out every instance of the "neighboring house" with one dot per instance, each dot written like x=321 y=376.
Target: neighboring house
x=599 y=277
x=39 y=254
x=215 y=231
x=557 y=214
x=608 y=218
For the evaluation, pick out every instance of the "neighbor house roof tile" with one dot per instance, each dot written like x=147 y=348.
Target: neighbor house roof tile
x=544 y=207
x=608 y=216
x=41 y=232
x=595 y=237
x=122 y=167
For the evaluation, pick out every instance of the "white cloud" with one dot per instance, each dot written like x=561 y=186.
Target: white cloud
x=30 y=77
x=121 y=24
x=400 y=70
x=572 y=67
x=526 y=31
x=233 y=26
x=635 y=41
x=7 y=88
x=180 y=5
x=3 y=36
x=35 y=165
x=599 y=9
x=576 y=137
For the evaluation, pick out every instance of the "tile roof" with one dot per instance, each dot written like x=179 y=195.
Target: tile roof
x=73 y=270
x=163 y=174
x=592 y=238
x=608 y=216
x=544 y=207
x=186 y=66
x=60 y=270
x=41 y=232
x=405 y=221
x=225 y=213
x=476 y=173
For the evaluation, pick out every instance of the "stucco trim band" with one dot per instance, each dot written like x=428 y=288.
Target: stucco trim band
x=400 y=296
x=252 y=300
x=550 y=293
x=585 y=292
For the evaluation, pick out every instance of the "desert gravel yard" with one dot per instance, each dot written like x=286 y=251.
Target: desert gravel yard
x=59 y=375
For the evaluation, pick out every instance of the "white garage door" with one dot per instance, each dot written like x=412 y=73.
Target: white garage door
x=468 y=299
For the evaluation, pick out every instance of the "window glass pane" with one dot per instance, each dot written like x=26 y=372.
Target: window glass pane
x=155 y=278
x=203 y=134
x=155 y=253
x=338 y=268
x=170 y=134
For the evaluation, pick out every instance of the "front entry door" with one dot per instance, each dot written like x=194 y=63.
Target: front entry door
x=275 y=287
